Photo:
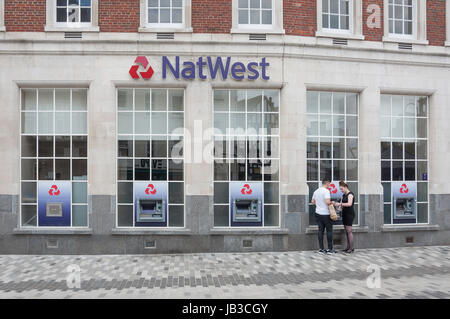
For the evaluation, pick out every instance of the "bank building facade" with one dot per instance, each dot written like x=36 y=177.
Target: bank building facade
x=178 y=126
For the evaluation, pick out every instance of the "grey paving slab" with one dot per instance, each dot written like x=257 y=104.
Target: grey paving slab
x=415 y=272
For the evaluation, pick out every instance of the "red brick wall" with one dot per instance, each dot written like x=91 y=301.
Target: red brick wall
x=118 y=15
x=300 y=17
x=372 y=34
x=211 y=16
x=436 y=22
x=25 y=15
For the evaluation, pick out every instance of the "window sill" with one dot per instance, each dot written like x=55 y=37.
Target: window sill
x=74 y=29
x=400 y=228
x=248 y=231
x=47 y=231
x=337 y=229
x=150 y=231
x=164 y=30
x=320 y=34
x=257 y=31
x=405 y=40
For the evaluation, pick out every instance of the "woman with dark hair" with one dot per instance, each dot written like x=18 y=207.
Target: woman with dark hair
x=348 y=214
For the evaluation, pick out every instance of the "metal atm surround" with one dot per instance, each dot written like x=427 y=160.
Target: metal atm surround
x=150 y=204
x=404 y=202
x=246 y=204
x=54 y=209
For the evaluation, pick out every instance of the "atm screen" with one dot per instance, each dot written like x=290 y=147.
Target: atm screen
x=404 y=207
x=148 y=207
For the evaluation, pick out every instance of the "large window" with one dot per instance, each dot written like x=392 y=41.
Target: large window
x=246 y=152
x=332 y=142
x=165 y=12
x=73 y=12
x=337 y=15
x=150 y=128
x=401 y=17
x=54 y=152
x=255 y=12
x=404 y=157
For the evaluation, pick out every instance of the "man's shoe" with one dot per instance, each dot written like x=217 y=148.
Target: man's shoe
x=322 y=251
x=331 y=251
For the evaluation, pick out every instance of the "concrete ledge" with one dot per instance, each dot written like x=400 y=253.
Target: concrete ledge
x=247 y=231
x=400 y=228
x=150 y=231
x=338 y=228
x=46 y=231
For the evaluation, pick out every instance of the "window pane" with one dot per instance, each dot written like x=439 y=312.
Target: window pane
x=142 y=100
x=221 y=100
x=125 y=122
x=339 y=148
x=422 y=171
x=325 y=18
x=266 y=16
x=221 y=193
x=397 y=150
x=159 y=146
x=159 y=170
x=271 y=124
x=422 y=128
x=338 y=125
x=410 y=128
x=79 y=146
x=176 y=193
x=176 y=172
x=339 y=103
x=153 y=16
x=325 y=169
x=352 y=170
x=312 y=170
x=29 y=215
x=422 y=106
x=312 y=125
x=422 y=192
x=28 y=192
x=176 y=216
x=45 y=146
x=142 y=170
x=45 y=122
x=397 y=171
x=410 y=171
x=237 y=171
x=352 y=125
x=45 y=100
x=221 y=216
x=385 y=150
x=125 y=216
x=243 y=17
x=386 y=192
x=312 y=102
x=237 y=100
x=79 y=193
x=164 y=15
x=79 y=100
x=29 y=125
x=410 y=105
x=254 y=170
x=176 y=122
x=125 y=169
x=325 y=148
x=397 y=127
x=254 y=123
x=62 y=123
x=29 y=99
x=397 y=105
x=61 y=15
x=177 y=16
x=125 y=146
x=422 y=213
x=410 y=150
x=271 y=170
x=325 y=102
x=312 y=148
x=176 y=147
x=28 y=146
x=254 y=101
x=142 y=123
x=271 y=101
x=45 y=169
x=325 y=125
x=271 y=215
x=125 y=99
x=338 y=170
x=79 y=215
x=79 y=123
x=352 y=148
x=334 y=21
x=385 y=170
x=255 y=17
x=422 y=151
x=62 y=146
x=79 y=169
x=28 y=169
x=176 y=100
x=141 y=147
x=125 y=192
x=159 y=123
x=385 y=124
x=385 y=105
x=62 y=99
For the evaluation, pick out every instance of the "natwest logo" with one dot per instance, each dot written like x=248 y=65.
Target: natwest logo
x=146 y=74
x=333 y=189
x=246 y=190
x=54 y=191
x=404 y=189
x=150 y=189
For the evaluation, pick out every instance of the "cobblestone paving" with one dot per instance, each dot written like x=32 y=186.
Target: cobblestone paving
x=416 y=272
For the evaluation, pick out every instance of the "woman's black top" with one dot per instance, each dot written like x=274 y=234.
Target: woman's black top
x=348 y=213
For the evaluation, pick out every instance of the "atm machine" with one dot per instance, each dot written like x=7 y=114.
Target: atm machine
x=150 y=204
x=404 y=202
x=54 y=206
x=246 y=204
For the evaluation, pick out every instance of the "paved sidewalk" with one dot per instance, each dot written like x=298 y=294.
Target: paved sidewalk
x=419 y=272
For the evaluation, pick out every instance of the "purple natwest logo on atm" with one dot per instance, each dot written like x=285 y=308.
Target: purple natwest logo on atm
x=208 y=67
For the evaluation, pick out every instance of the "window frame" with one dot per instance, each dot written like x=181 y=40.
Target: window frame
x=54 y=157
x=350 y=21
x=403 y=140
x=185 y=26
x=228 y=159
x=332 y=137
x=414 y=19
x=53 y=26
x=419 y=25
x=133 y=158
x=355 y=23
x=276 y=27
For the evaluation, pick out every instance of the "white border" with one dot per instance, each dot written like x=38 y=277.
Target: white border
x=2 y=15
x=355 y=23
x=186 y=26
x=52 y=26
x=275 y=28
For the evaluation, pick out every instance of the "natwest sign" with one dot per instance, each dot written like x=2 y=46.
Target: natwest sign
x=203 y=68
